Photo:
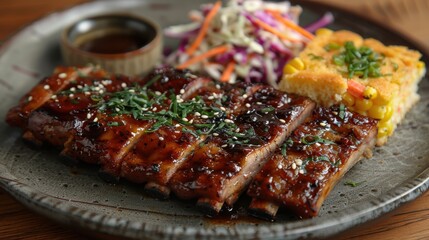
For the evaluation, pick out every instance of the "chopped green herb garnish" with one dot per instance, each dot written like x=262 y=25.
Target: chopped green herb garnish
x=285 y=145
x=342 y=112
x=152 y=81
x=322 y=158
x=267 y=109
x=312 y=139
x=352 y=183
x=332 y=46
x=395 y=66
x=362 y=62
x=74 y=101
x=113 y=124
x=144 y=104
x=315 y=57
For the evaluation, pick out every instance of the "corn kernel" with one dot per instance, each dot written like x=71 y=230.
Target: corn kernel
x=363 y=104
x=377 y=112
x=369 y=93
x=389 y=113
x=383 y=101
x=348 y=99
x=363 y=113
x=297 y=63
x=385 y=129
x=288 y=69
x=382 y=132
x=420 y=64
x=323 y=31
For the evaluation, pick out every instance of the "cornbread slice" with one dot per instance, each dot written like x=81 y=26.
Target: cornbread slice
x=370 y=78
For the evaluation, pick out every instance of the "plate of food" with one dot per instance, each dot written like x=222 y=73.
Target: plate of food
x=252 y=126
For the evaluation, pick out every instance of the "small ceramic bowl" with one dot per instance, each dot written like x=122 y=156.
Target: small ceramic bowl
x=120 y=43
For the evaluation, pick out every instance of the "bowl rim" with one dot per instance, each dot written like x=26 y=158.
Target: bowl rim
x=154 y=42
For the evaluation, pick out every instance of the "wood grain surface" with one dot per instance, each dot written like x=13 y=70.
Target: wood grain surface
x=410 y=221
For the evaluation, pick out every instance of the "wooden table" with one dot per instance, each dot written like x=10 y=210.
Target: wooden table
x=409 y=221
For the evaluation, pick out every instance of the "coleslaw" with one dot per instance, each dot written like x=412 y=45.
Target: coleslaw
x=250 y=40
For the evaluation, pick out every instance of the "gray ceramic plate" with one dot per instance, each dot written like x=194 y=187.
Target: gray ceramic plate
x=74 y=194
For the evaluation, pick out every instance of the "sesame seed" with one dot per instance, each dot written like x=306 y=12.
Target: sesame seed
x=317 y=144
x=30 y=98
x=123 y=85
x=101 y=92
x=215 y=134
x=182 y=91
x=158 y=93
x=335 y=113
x=87 y=93
x=293 y=165
x=177 y=131
x=235 y=138
x=282 y=120
x=259 y=103
x=79 y=86
x=216 y=113
x=161 y=139
x=54 y=96
x=131 y=91
x=280 y=166
x=197 y=114
x=88 y=116
x=210 y=98
x=95 y=119
x=185 y=119
x=46 y=87
x=62 y=75
x=154 y=109
x=71 y=95
x=217 y=86
x=298 y=162
x=73 y=89
x=245 y=96
x=323 y=124
x=191 y=121
x=179 y=100
x=223 y=109
x=145 y=109
x=117 y=109
x=177 y=125
x=56 y=100
x=248 y=105
x=98 y=89
x=237 y=130
x=228 y=121
x=301 y=171
x=225 y=145
x=204 y=116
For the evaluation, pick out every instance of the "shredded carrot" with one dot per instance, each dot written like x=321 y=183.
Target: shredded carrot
x=274 y=31
x=210 y=53
x=291 y=24
x=228 y=71
x=356 y=89
x=203 y=31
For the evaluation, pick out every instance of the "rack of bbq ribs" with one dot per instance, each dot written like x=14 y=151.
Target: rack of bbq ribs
x=187 y=135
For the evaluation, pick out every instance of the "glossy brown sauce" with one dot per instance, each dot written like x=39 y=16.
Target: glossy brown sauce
x=115 y=42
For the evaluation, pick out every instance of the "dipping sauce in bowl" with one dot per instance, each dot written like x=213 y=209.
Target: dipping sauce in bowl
x=120 y=43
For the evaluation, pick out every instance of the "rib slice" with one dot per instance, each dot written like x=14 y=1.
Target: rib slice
x=105 y=143
x=42 y=92
x=221 y=167
x=300 y=175
x=67 y=112
x=157 y=155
